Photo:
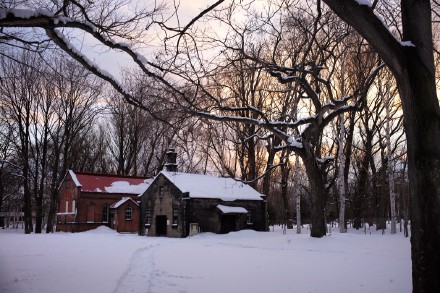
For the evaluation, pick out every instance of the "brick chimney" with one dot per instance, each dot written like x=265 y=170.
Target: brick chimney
x=171 y=165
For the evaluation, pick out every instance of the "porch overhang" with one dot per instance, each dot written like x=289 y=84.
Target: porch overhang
x=231 y=210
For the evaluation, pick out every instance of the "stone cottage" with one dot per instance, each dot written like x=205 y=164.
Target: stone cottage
x=179 y=204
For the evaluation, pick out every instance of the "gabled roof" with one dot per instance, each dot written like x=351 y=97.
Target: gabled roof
x=121 y=202
x=90 y=182
x=206 y=186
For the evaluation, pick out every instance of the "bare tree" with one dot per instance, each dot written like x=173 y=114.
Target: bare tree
x=314 y=86
x=42 y=123
x=76 y=93
x=9 y=171
x=18 y=91
x=138 y=141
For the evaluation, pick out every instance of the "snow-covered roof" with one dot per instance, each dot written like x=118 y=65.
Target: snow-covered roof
x=231 y=210
x=74 y=178
x=110 y=183
x=206 y=186
x=122 y=201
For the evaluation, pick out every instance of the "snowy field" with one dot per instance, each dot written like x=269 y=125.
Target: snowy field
x=247 y=261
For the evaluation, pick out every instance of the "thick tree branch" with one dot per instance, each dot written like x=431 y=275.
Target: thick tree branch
x=363 y=20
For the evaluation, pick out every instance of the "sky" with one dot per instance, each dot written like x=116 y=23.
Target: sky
x=112 y=61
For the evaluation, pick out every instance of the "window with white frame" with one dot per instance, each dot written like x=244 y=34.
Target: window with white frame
x=67 y=205
x=128 y=213
x=105 y=213
x=73 y=206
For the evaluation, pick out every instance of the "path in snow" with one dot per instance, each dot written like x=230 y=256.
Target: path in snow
x=138 y=272
x=246 y=261
x=143 y=275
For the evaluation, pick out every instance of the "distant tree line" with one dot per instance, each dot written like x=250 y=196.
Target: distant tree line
x=56 y=116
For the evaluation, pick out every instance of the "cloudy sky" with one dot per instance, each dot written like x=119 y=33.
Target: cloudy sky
x=113 y=61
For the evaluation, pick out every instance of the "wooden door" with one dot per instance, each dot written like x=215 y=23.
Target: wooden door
x=161 y=225
x=228 y=224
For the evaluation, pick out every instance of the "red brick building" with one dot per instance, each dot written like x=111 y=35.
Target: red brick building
x=124 y=215
x=90 y=200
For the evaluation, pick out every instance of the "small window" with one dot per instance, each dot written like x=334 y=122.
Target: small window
x=74 y=206
x=175 y=216
x=249 y=218
x=67 y=206
x=128 y=213
x=161 y=191
x=148 y=217
x=105 y=213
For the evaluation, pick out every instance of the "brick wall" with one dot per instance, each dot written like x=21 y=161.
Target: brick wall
x=120 y=223
x=89 y=208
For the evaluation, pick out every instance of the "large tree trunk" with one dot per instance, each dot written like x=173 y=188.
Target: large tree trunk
x=421 y=116
x=318 y=195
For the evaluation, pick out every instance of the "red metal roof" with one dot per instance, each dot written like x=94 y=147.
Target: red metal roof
x=112 y=183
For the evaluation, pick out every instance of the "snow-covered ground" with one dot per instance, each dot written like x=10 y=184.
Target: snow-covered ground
x=247 y=261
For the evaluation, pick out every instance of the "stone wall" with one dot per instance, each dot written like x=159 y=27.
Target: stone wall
x=162 y=197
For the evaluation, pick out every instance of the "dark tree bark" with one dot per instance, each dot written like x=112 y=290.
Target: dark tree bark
x=349 y=147
x=268 y=173
x=41 y=156
x=285 y=172
x=380 y=197
x=53 y=203
x=362 y=191
x=413 y=68
x=316 y=174
x=318 y=193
